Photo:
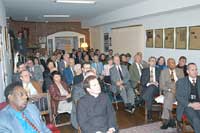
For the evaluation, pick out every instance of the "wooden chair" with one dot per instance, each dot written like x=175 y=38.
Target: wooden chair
x=42 y=101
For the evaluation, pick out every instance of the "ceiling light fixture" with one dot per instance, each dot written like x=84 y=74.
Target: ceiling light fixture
x=56 y=16
x=76 y=1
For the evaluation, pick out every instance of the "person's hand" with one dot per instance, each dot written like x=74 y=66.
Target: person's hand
x=155 y=83
x=118 y=83
x=195 y=105
x=68 y=96
x=173 y=91
x=111 y=130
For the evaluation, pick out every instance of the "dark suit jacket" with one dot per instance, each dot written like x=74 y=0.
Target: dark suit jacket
x=56 y=96
x=183 y=90
x=68 y=75
x=145 y=77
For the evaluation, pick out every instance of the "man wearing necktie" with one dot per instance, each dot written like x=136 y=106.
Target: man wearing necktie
x=150 y=85
x=120 y=80
x=188 y=97
x=18 y=115
x=98 y=66
x=168 y=78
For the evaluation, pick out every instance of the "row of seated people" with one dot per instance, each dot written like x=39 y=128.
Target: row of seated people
x=124 y=82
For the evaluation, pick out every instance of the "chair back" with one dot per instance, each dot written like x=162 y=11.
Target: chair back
x=3 y=105
x=43 y=104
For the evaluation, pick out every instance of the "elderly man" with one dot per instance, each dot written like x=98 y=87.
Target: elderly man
x=18 y=115
x=120 y=80
x=188 y=97
x=63 y=63
x=68 y=72
x=168 y=80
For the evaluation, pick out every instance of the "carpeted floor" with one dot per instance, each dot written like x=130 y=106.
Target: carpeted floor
x=148 y=128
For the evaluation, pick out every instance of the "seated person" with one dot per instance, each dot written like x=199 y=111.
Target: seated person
x=19 y=67
x=78 y=74
x=150 y=81
x=182 y=64
x=94 y=110
x=120 y=80
x=68 y=72
x=98 y=66
x=18 y=115
x=188 y=97
x=32 y=88
x=106 y=71
x=60 y=94
x=167 y=83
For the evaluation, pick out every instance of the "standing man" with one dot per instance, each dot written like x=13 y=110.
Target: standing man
x=168 y=80
x=150 y=85
x=120 y=80
x=188 y=97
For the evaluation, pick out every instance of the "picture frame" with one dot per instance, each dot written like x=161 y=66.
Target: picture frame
x=181 y=37
x=149 y=38
x=106 y=42
x=194 y=38
x=158 y=38
x=169 y=38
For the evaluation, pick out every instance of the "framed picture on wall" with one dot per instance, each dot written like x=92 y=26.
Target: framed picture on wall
x=159 y=38
x=181 y=37
x=169 y=38
x=106 y=42
x=149 y=38
x=194 y=37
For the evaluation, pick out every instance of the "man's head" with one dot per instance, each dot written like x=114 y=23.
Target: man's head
x=192 y=70
x=116 y=60
x=71 y=62
x=110 y=52
x=25 y=76
x=21 y=66
x=66 y=57
x=86 y=67
x=137 y=58
x=171 y=63
x=91 y=85
x=30 y=63
x=96 y=58
x=152 y=61
x=16 y=96
x=123 y=58
x=182 y=61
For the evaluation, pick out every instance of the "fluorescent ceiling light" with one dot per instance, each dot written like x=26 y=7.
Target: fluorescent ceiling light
x=56 y=16
x=76 y=1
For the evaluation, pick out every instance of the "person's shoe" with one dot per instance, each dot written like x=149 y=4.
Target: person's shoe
x=128 y=109
x=165 y=125
x=172 y=123
x=149 y=116
x=132 y=110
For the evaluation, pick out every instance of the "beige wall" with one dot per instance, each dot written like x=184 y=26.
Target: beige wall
x=96 y=38
x=128 y=39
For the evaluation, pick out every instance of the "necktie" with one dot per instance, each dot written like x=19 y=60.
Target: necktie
x=172 y=76
x=120 y=73
x=151 y=75
x=193 y=82
x=30 y=123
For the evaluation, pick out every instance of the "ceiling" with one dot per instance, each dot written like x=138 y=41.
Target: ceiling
x=35 y=9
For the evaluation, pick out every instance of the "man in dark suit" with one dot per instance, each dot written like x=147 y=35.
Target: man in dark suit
x=188 y=97
x=149 y=81
x=68 y=72
x=167 y=82
x=120 y=80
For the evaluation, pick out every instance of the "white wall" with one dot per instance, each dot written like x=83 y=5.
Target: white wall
x=2 y=63
x=180 y=18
